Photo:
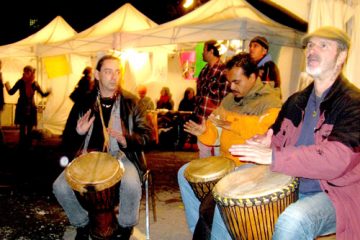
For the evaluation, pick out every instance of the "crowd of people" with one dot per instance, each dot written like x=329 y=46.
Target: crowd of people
x=237 y=112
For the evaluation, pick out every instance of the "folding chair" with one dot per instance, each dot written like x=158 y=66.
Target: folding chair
x=147 y=180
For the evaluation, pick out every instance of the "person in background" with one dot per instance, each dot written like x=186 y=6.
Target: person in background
x=259 y=52
x=187 y=103
x=26 y=110
x=145 y=101
x=84 y=86
x=211 y=88
x=2 y=103
x=250 y=109
x=316 y=137
x=116 y=110
x=165 y=101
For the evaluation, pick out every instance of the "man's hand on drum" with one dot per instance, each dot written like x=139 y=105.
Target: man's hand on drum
x=84 y=123
x=252 y=153
x=194 y=128
x=263 y=140
x=118 y=136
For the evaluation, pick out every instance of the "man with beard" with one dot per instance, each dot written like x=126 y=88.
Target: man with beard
x=250 y=109
x=316 y=137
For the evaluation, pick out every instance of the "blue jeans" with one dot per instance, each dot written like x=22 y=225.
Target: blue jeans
x=309 y=217
x=192 y=204
x=129 y=204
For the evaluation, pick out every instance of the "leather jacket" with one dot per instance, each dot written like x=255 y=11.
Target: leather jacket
x=135 y=128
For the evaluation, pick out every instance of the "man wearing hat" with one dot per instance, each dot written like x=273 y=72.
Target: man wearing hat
x=316 y=138
x=267 y=69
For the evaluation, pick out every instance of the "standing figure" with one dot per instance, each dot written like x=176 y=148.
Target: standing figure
x=316 y=138
x=84 y=86
x=211 y=88
x=26 y=110
x=267 y=69
x=109 y=120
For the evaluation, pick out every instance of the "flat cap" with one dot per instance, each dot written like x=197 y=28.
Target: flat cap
x=328 y=32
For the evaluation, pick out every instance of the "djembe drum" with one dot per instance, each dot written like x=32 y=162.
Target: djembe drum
x=95 y=178
x=202 y=174
x=251 y=199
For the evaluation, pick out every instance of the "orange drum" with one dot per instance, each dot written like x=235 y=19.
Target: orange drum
x=251 y=199
x=204 y=173
x=95 y=178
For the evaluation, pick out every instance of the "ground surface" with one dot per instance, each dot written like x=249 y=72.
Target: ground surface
x=28 y=209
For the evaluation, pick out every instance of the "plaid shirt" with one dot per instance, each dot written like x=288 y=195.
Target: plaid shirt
x=211 y=88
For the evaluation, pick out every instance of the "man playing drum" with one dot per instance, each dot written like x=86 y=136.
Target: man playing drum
x=249 y=110
x=108 y=118
x=317 y=138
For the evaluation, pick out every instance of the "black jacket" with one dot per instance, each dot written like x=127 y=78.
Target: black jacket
x=135 y=129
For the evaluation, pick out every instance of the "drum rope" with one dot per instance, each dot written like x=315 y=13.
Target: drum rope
x=106 y=136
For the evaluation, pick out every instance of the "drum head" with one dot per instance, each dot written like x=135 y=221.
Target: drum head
x=208 y=169
x=96 y=169
x=253 y=182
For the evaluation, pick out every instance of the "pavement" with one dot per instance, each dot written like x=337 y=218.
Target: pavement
x=29 y=210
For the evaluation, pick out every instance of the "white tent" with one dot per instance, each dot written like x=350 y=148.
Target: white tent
x=16 y=55
x=218 y=19
x=57 y=30
x=103 y=35
x=226 y=20
x=343 y=14
x=82 y=50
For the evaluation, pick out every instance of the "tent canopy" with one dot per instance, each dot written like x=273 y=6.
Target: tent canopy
x=216 y=19
x=56 y=31
x=102 y=35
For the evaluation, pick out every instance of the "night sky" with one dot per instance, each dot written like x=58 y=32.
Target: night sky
x=81 y=14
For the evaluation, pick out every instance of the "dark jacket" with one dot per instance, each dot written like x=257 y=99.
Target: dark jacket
x=334 y=159
x=26 y=111
x=135 y=129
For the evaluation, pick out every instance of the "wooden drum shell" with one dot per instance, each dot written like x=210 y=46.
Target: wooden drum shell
x=250 y=201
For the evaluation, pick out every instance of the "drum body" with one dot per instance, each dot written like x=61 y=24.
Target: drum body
x=202 y=174
x=251 y=199
x=95 y=178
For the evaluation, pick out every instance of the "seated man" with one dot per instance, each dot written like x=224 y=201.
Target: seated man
x=317 y=139
x=107 y=120
x=250 y=109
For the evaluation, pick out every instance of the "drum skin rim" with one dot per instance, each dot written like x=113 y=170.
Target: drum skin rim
x=260 y=200
x=195 y=165
x=253 y=185
x=99 y=185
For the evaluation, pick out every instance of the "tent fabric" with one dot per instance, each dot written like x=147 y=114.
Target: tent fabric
x=56 y=31
x=342 y=14
x=217 y=19
x=103 y=35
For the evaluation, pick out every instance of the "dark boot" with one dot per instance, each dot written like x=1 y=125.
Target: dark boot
x=123 y=233
x=82 y=233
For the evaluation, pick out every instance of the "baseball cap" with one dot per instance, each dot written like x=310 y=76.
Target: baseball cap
x=328 y=32
x=262 y=41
